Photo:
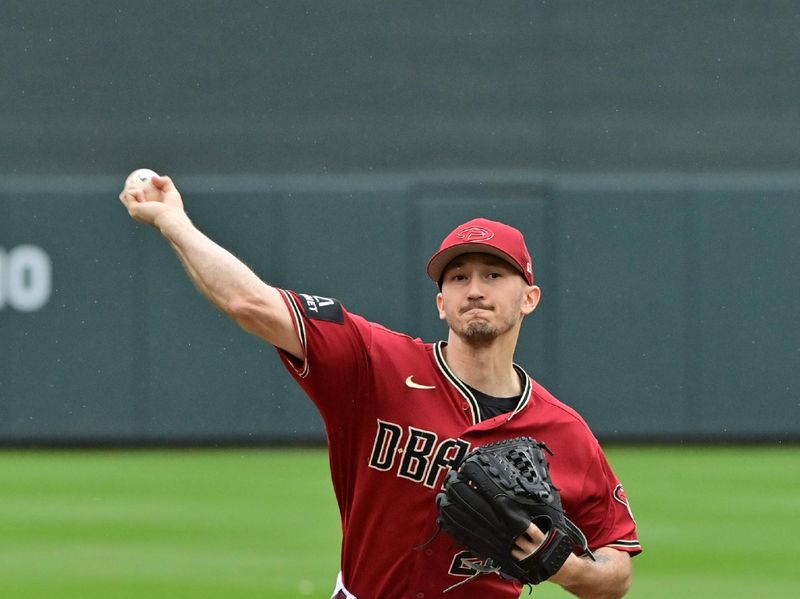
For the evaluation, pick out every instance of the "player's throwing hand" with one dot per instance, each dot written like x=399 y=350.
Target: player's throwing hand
x=150 y=199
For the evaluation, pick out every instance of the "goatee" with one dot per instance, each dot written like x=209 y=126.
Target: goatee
x=479 y=334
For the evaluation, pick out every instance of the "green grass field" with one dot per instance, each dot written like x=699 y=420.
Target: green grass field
x=715 y=522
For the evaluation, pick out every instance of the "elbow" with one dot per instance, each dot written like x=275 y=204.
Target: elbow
x=620 y=575
x=626 y=584
x=620 y=588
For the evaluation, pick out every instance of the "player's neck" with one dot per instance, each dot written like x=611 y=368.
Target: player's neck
x=487 y=368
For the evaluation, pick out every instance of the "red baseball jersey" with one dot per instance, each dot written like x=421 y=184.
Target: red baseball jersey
x=397 y=419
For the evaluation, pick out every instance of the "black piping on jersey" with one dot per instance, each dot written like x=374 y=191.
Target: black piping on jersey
x=474 y=407
x=462 y=388
x=625 y=544
x=301 y=329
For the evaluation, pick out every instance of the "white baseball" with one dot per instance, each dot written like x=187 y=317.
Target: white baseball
x=142 y=179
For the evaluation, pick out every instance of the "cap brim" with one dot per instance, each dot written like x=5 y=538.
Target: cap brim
x=441 y=259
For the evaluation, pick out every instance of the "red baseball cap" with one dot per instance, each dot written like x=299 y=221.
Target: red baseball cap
x=483 y=236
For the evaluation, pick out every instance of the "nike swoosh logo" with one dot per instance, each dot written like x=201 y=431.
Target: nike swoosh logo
x=410 y=383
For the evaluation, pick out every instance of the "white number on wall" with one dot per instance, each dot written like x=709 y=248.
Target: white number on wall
x=26 y=278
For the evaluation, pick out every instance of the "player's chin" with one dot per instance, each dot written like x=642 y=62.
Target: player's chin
x=479 y=332
x=480 y=322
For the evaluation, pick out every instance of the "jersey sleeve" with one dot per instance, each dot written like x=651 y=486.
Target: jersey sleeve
x=334 y=368
x=606 y=517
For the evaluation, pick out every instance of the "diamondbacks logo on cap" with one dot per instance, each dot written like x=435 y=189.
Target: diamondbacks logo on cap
x=475 y=234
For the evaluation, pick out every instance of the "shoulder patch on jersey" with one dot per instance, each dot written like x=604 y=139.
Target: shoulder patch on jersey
x=321 y=308
x=619 y=495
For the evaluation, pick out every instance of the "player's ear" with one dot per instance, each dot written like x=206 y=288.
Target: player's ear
x=530 y=299
x=440 y=305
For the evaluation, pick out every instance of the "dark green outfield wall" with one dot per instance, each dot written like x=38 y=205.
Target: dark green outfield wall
x=650 y=151
x=201 y=86
x=668 y=311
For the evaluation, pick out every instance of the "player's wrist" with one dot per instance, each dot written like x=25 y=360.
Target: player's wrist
x=170 y=222
x=568 y=572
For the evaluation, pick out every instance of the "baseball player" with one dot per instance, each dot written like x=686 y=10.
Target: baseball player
x=400 y=413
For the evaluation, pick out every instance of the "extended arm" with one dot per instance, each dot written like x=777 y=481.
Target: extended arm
x=609 y=577
x=226 y=281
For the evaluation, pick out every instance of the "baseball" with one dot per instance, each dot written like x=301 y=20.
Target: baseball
x=141 y=179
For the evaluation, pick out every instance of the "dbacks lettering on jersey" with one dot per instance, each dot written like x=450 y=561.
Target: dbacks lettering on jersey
x=424 y=459
x=322 y=308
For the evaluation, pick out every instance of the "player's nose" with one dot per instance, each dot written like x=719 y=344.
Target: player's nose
x=475 y=288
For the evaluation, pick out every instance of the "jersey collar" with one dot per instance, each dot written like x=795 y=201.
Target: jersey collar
x=466 y=393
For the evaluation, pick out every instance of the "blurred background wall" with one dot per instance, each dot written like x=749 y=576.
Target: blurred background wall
x=649 y=151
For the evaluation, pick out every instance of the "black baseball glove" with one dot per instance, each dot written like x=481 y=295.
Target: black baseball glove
x=492 y=498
